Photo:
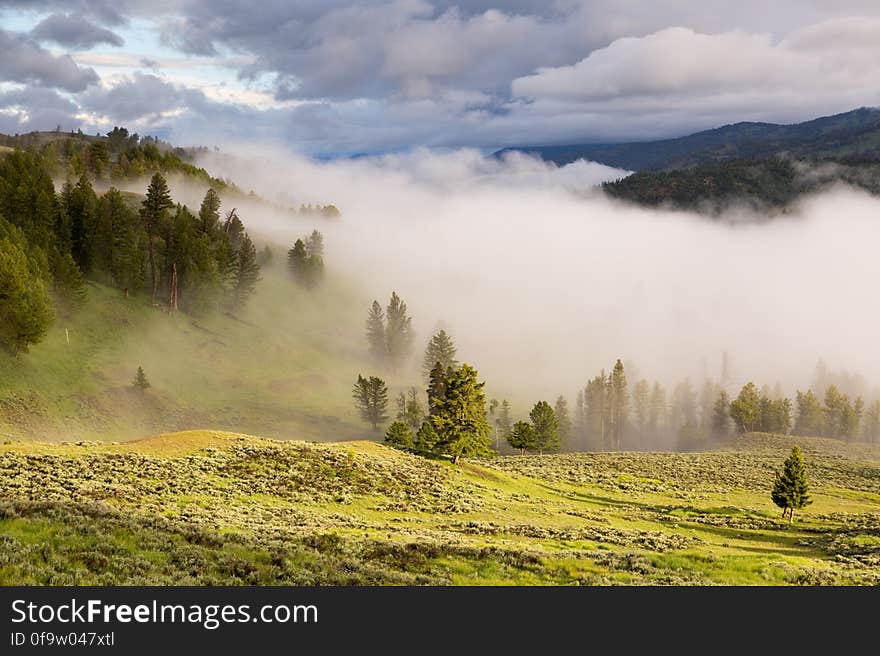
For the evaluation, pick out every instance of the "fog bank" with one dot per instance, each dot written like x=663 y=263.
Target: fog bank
x=542 y=281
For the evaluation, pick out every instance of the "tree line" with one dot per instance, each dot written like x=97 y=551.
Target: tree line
x=51 y=242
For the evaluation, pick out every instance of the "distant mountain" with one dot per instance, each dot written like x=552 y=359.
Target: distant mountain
x=854 y=134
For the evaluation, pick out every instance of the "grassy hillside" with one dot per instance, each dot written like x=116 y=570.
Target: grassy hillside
x=284 y=368
x=220 y=508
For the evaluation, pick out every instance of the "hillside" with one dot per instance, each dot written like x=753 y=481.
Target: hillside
x=221 y=508
x=204 y=370
x=854 y=134
x=765 y=185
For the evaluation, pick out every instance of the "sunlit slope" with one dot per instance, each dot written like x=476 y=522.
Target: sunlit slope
x=206 y=507
x=283 y=368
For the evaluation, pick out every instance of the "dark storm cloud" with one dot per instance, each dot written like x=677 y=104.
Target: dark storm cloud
x=23 y=60
x=74 y=32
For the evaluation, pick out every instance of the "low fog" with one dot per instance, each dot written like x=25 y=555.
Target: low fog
x=542 y=281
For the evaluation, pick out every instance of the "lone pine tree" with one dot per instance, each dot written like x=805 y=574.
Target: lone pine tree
x=371 y=397
x=140 y=380
x=790 y=489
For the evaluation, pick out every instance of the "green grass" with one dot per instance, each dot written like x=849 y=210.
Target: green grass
x=284 y=369
x=207 y=507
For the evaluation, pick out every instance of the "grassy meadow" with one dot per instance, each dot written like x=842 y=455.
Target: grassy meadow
x=207 y=507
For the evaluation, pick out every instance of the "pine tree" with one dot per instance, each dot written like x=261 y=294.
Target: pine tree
x=155 y=205
x=436 y=387
x=426 y=438
x=596 y=411
x=371 y=398
x=409 y=409
x=209 y=213
x=619 y=403
x=297 y=261
x=25 y=308
x=657 y=415
x=315 y=244
x=835 y=410
x=502 y=421
x=809 y=419
x=460 y=415
x=400 y=435
x=546 y=427
x=398 y=331
x=641 y=396
x=790 y=489
x=376 y=332
x=745 y=410
x=247 y=273
x=872 y=423
x=522 y=436
x=563 y=421
x=140 y=380
x=440 y=349
x=720 y=424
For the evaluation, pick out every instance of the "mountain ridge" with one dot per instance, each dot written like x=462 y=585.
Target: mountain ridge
x=855 y=133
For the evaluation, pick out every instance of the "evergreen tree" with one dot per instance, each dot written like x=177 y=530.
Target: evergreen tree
x=371 y=398
x=247 y=273
x=641 y=397
x=399 y=435
x=398 y=331
x=872 y=423
x=426 y=438
x=376 y=332
x=25 y=308
x=81 y=210
x=618 y=403
x=596 y=411
x=209 y=213
x=580 y=422
x=264 y=259
x=502 y=421
x=522 y=436
x=410 y=410
x=315 y=245
x=684 y=406
x=156 y=203
x=140 y=380
x=436 y=387
x=297 y=260
x=720 y=424
x=657 y=415
x=810 y=418
x=745 y=410
x=68 y=282
x=460 y=415
x=790 y=489
x=546 y=427
x=440 y=349
x=775 y=415
x=835 y=411
x=563 y=421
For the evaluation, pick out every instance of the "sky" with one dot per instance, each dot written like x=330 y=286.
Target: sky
x=330 y=77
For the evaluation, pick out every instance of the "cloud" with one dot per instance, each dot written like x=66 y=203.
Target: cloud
x=25 y=61
x=141 y=97
x=34 y=108
x=74 y=32
x=543 y=282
